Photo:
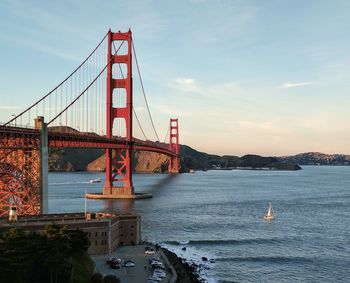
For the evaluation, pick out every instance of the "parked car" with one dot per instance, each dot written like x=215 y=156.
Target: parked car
x=153 y=259
x=156 y=263
x=109 y=260
x=113 y=260
x=129 y=263
x=150 y=252
x=155 y=278
x=160 y=270
x=160 y=274
x=114 y=265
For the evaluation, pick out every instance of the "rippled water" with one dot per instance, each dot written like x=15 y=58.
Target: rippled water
x=218 y=214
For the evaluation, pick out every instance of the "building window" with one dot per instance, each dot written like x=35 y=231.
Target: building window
x=89 y=243
x=132 y=226
x=95 y=242
x=96 y=234
x=132 y=234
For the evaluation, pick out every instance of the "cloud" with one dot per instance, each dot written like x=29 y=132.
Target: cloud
x=184 y=81
x=209 y=90
x=51 y=51
x=186 y=84
x=290 y=85
x=7 y=107
x=139 y=109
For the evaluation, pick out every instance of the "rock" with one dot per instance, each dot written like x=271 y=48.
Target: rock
x=186 y=272
x=204 y=258
x=184 y=248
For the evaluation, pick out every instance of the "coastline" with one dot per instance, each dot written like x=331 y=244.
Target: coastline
x=186 y=273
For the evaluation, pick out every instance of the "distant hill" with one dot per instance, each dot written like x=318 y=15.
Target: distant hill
x=193 y=159
x=84 y=159
x=71 y=159
x=94 y=160
x=316 y=158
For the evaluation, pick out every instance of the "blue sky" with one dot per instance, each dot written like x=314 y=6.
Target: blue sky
x=264 y=77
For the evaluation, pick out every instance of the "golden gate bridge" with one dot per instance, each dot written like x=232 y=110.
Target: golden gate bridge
x=93 y=107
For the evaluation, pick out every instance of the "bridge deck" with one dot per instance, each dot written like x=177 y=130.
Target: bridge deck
x=77 y=140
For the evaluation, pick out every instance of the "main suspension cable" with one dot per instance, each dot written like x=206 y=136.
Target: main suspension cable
x=143 y=91
x=133 y=109
x=80 y=94
x=166 y=135
x=37 y=102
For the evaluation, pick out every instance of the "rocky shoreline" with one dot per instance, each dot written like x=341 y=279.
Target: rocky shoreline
x=186 y=272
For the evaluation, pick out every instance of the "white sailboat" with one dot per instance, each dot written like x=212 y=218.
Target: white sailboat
x=97 y=180
x=269 y=215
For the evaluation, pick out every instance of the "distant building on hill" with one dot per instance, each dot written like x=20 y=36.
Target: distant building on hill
x=105 y=231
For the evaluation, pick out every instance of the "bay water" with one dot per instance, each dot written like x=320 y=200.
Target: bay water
x=219 y=215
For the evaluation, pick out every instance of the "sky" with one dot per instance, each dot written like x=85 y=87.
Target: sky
x=262 y=77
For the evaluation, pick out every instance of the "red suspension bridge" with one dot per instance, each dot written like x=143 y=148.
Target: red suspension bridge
x=94 y=107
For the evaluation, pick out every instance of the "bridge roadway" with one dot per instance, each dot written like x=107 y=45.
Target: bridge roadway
x=17 y=137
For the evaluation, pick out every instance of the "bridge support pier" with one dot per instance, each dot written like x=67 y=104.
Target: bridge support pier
x=118 y=169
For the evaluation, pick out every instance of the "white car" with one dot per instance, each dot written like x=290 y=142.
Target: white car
x=150 y=252
x=157 y=264
x=154 y=259
x=159 y=274
x=129 y=263
x=155 y=278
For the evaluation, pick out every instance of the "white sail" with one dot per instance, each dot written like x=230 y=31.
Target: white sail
x=269 y=214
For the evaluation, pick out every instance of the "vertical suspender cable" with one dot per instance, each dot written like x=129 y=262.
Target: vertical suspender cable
x=143 y=90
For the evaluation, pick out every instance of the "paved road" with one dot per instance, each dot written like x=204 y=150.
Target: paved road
x=136 y=274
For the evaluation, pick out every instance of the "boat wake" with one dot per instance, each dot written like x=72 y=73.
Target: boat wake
x=68 y=183
x=227 y=242
x=274 y=259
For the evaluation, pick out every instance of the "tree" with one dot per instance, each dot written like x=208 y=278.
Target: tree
x=111 y=279
x=27 y=257
x=78 y=241
x=16 y=255
x=97 y=278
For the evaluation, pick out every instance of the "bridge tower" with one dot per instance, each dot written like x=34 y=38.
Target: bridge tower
x=174 y=163
x=119 y=165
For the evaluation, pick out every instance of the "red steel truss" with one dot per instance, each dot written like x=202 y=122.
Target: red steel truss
x=19 y=171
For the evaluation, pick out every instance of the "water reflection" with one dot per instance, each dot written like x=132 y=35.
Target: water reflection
x=119 y=205
x=163 y=182
x=127 y=205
